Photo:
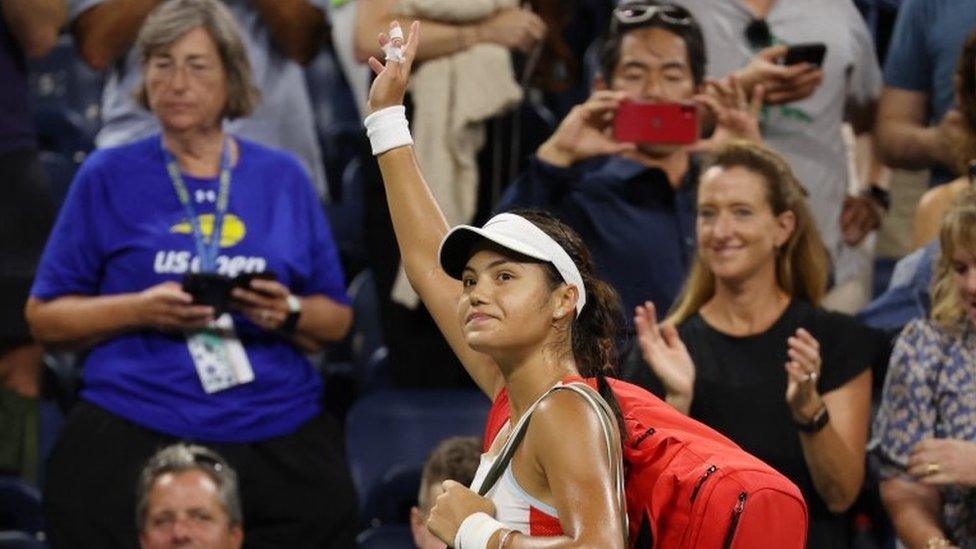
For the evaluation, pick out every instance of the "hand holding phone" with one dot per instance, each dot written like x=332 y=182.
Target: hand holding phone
x=243 y=280
x=209 y=289
x=656 y=123
x=214 y=289
x=808 y=52
x=585 y=132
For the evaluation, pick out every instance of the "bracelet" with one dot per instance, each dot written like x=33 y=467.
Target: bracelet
x=388 y=129
x=475 y=531
x=935 y=542
x=504 y=540
x=816 y=423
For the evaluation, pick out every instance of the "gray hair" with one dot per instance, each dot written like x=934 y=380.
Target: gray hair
x=171 y=20
x=181 y=458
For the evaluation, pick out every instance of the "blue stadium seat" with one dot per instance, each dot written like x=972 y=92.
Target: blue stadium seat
x=337 y=119
x=396 y=492
x=62 y=82
x=60 y=130
x=390 y=536
x=367 y=343
x=10 y=539
x=391 y=432
x=20 y=507
x=345 y=213
x=60 y=171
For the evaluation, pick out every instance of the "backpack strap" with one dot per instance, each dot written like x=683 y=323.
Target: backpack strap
x=612 y=437
x=512 y=444
x=610 y=432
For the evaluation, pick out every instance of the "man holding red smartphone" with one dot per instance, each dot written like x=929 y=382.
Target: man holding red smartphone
x=633 y=200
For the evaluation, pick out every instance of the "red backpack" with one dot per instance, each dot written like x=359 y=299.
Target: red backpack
x=687 y=485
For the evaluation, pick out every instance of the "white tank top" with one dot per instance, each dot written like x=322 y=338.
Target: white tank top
x=515 y=507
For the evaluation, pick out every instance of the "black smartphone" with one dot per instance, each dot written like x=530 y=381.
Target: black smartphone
x=243 y=280
x=209 y=289
x=809 y=52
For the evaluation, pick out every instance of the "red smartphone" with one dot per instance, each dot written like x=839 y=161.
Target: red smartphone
x=662 y=123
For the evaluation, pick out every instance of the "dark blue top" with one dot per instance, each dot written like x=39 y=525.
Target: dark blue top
x=122 y=229
x=16 y=128
x=639 y=229
x=924 y=49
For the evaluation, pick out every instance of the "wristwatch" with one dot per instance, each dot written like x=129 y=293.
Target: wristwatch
x=816 y=423
x=294 y=311
x=879 y=194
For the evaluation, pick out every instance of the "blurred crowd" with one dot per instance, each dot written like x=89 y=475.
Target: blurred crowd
x=207 y=336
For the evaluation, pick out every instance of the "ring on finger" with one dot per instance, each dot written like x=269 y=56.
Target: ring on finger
x=932 y=468
x=811 y=377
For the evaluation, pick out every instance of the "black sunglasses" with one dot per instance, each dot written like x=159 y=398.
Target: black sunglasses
x=758 y=34
x=634 y=13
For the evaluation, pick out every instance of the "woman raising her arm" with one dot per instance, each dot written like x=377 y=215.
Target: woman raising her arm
x=519 y=305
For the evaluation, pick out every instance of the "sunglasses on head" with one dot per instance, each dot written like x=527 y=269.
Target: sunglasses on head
x=758 y=34
x=209 y=461
x=636 y=13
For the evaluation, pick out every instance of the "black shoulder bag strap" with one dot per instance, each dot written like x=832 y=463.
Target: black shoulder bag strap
x=609 y=430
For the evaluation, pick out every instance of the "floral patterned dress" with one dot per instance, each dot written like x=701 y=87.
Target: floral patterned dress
x=930 y=392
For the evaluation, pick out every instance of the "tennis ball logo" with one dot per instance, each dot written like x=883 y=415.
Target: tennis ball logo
x=231 y=233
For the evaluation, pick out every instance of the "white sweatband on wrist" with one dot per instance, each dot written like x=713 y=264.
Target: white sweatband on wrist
x=388 y=129
x=476 y=530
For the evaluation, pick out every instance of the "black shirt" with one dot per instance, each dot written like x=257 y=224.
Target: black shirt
x=740 y=390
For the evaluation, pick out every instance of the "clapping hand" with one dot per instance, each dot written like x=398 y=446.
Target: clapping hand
x=666 y=355
x=803 y=370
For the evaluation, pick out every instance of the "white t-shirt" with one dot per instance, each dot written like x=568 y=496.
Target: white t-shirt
x=807 y=132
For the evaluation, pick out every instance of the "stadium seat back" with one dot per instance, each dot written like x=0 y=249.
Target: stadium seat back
x=389 y=432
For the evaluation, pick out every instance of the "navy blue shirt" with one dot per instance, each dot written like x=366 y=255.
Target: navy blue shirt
x=639 y=229
x=16 y=128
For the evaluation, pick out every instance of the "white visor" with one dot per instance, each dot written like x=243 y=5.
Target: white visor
x=515 y=233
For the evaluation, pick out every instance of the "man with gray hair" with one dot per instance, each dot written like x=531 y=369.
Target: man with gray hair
x=187 y=496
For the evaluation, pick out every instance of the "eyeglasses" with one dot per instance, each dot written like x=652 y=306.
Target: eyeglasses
x=635 y=13
x=164 y=69
x=758 y=34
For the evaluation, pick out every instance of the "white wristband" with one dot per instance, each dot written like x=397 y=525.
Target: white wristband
x=388 y=129
x=475 y=531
